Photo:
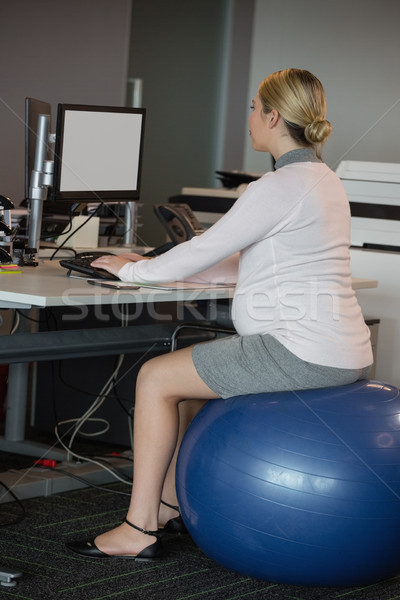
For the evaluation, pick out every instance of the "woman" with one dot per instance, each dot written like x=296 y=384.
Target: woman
x=298 y=322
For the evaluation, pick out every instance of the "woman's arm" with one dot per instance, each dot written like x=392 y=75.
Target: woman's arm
x=223 y=272
x=256 y=214
x=226 y=271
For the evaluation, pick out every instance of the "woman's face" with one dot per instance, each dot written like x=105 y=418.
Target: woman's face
x=258 y=129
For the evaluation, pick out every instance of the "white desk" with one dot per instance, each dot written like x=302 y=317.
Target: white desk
x=48 y=286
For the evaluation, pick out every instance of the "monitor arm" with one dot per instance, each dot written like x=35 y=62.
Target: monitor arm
x=42 y=178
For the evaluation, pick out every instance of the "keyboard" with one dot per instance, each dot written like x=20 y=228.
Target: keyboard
x=82 y=264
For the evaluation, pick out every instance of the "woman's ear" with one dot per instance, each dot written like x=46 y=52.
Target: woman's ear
x=273 y=118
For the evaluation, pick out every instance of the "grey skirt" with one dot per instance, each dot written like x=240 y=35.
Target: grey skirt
x=252 y=364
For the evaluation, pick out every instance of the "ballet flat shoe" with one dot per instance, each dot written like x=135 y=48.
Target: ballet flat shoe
x=90 y=550
x=174 y=526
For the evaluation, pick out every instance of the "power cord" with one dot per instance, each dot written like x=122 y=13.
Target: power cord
x=83 y=480
x=74 y=231
x=87 y=417
x=15 y=322
x=20 y=505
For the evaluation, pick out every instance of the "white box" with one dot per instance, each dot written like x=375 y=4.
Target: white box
x=85 y=237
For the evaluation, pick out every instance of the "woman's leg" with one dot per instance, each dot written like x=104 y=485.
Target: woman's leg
x=187 y=411
x=162 y=383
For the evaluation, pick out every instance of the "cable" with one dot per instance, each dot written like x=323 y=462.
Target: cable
x=127 y=411
x=111 y=230
x=21 y=506
x=87 y=416
x=118 y=218
x=15 y=322
x=116 y=469
x=98 y=402
x=91 y=460
x=89 y=484
x=75 y=231
x=21 y=314
x=52 y=235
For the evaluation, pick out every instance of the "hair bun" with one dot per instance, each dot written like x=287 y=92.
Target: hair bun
x=317 y=131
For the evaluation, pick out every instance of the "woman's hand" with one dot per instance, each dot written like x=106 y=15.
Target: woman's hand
x=114 y=263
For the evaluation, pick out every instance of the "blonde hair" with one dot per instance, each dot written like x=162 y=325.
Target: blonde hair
x=299 y=98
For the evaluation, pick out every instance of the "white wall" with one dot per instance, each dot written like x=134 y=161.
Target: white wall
x=58 y=52
x=353 y=47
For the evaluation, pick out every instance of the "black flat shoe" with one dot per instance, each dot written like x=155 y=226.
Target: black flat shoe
x=90 y=550
x=174 y=526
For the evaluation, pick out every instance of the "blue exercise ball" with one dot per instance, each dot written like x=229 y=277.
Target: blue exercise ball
x=297 y=487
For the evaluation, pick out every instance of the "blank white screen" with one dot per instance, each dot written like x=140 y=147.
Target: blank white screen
x=100 y=151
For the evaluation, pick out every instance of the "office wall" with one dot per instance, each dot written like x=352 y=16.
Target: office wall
x=181 y=71
x=354 y=48
x=71 y=52
x=193 y=58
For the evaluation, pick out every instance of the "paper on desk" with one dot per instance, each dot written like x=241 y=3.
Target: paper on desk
x=184 y=285
x=174 y=286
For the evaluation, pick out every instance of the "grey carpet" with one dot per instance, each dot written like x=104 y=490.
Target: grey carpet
x=35 y=546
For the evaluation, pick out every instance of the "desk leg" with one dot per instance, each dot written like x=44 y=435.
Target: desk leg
x=14 y=438
x=16 y=401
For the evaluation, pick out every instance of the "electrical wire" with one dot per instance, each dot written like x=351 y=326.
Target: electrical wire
x=43 y=238
x=19 y=313
x=20 y=505
x=15 y=322
x=114 y=468
x=87 y=416
x=73 y=232
x=89 y=483
x=118 y=218
x=91 y=460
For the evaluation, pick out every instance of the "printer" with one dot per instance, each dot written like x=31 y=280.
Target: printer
x=373 y=189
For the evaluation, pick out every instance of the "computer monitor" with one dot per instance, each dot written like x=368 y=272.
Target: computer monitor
x=33 y=108
x=98 y=153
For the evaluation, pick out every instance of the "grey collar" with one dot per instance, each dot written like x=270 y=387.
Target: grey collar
x=298 y=155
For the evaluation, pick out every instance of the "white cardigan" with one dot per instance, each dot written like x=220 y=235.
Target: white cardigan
x=292 y=230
